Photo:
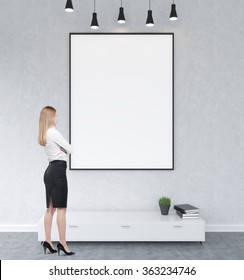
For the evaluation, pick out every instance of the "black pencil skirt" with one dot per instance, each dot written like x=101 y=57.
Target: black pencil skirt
x=56 y=184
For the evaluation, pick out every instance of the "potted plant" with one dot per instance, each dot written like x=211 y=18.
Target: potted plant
x=164 y=204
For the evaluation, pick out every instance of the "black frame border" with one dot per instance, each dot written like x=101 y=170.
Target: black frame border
x=123 y=33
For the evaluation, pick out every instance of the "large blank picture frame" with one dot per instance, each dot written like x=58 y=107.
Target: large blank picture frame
x=121 y=100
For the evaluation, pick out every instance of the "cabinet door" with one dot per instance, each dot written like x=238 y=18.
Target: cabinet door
x=136 y=232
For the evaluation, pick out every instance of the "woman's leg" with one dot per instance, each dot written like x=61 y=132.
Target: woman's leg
x=61 y=223
x=48 y=218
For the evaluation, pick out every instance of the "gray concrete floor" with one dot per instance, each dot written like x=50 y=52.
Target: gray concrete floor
x=220 y=246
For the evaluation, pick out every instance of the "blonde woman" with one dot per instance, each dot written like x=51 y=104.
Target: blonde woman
x=57 y=150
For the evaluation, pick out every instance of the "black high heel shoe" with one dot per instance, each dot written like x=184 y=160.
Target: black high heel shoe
x=61 y=247
x=46 y=246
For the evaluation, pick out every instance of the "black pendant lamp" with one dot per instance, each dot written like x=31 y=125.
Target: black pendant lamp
x=69 y=6
x=94 y=23
x=149 y=16
x=121 y=18
x=173 y=14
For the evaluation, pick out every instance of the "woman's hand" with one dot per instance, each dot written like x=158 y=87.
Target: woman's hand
x=63 y=150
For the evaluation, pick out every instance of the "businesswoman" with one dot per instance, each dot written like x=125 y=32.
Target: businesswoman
x=57 y=150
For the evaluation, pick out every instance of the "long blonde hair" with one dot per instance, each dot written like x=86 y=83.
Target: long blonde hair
x=46 y=120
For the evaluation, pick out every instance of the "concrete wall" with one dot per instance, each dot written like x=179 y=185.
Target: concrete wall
x=209 y=102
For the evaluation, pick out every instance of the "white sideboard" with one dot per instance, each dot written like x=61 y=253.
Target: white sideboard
x=127 y=226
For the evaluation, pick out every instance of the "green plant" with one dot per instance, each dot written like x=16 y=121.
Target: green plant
x=164 y=200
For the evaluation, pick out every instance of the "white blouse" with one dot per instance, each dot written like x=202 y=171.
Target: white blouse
x=54 y=142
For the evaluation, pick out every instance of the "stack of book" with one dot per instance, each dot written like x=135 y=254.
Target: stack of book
x=187 y=211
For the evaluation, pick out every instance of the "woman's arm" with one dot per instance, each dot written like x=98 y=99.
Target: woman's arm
x=57 y=137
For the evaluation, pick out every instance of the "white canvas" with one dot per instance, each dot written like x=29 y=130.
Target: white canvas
x=121 y=101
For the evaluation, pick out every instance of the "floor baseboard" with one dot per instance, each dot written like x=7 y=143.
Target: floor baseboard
x=224 y=228
x=18 y=228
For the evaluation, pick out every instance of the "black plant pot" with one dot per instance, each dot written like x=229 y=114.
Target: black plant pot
x=164 y=209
